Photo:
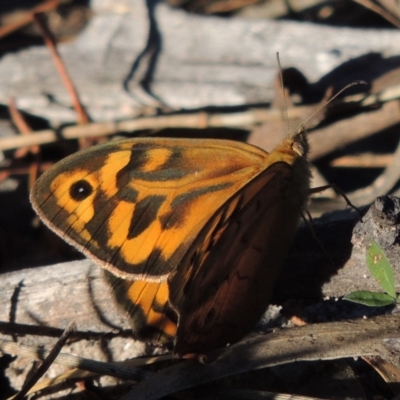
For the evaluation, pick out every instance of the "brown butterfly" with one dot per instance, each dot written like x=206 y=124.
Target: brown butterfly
x=192 y=233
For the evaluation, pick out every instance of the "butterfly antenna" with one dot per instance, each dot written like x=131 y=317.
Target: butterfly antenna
x=359 y=82
x=285 y=115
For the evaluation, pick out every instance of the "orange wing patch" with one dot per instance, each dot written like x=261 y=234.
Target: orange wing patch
x=147 y=306
x=153 y=299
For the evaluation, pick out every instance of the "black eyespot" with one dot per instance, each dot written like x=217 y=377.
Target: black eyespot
x=80 y=190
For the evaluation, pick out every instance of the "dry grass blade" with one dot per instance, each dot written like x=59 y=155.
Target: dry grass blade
x=124 y=370
x=310 y=342
x=380 y=9
x=389 y=372
x=323 y=141
x=50 y=41
x=196 y=120
x=46 y=362
x=25 y=129
x=46 y=6
x=48 y=383
x=19 y=121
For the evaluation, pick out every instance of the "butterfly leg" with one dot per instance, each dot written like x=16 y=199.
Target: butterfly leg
x=340 y=191
x=309 y=221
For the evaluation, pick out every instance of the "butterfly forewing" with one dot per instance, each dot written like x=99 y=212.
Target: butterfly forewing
x=135 y=206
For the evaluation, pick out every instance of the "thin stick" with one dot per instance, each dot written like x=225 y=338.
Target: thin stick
x=46 y=363
x=128 y=369
x=48 y=37
x=46 y=6
x=26 y=130
x=379 y=9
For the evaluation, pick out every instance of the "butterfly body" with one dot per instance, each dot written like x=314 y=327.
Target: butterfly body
x=192 y=233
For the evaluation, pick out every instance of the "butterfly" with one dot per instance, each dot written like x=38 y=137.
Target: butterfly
x=191 y=233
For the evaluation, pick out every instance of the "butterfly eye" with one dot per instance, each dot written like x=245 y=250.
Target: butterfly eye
x=80 y=190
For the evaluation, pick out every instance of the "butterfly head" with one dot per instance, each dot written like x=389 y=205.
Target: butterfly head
x=299 y=141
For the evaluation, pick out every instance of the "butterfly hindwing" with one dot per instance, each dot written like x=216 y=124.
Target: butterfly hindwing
x=224 y=286
x=146 y=304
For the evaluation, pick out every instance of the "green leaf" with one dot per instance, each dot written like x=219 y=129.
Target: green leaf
x=381 y=269
x=370 y=299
